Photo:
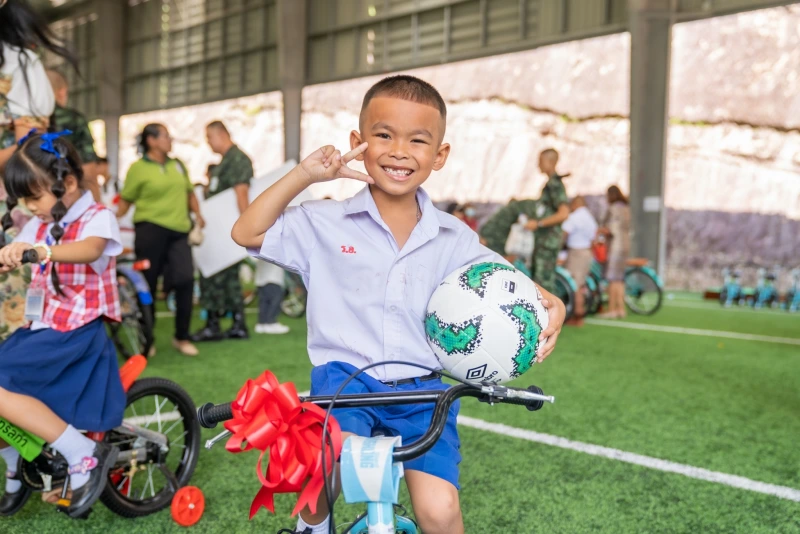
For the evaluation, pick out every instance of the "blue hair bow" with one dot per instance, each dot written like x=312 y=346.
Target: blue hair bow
x=47 y=140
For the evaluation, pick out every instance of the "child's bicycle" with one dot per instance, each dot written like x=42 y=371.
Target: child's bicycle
x=134 y=334
x=158 y=442
x=766 y=295
x=644 y=289
x=362 y=458
x=731 y=292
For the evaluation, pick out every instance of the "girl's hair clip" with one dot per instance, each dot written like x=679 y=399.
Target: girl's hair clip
x=47 y=142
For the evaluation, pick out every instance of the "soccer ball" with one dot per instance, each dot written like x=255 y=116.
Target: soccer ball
x=483 y=322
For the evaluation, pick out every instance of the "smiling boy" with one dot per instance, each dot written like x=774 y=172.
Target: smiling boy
x=371 y=264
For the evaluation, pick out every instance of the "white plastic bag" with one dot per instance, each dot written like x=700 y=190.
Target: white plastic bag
x=520 y=241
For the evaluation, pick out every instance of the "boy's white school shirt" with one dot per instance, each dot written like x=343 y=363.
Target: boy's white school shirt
x=366 y=298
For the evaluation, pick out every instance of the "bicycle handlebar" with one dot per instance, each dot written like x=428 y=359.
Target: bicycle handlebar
x=30 y=256
x=533 y=398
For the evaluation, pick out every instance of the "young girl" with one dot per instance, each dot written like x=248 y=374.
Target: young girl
x=60 y=373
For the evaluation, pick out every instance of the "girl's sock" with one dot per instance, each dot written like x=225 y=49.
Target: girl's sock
x=11 y=456
x=76 y=448
x=322 y=528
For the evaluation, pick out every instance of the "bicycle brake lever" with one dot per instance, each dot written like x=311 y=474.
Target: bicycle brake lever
x=219 y=437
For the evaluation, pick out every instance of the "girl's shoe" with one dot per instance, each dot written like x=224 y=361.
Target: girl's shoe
x=84 y=497
x=11 y=503
x=608 y=315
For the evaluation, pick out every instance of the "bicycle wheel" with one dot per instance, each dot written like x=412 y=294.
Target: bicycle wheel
x=294 y=304
x=565 y=293
x=134 y=334
x=643 y=294
x=142 y=486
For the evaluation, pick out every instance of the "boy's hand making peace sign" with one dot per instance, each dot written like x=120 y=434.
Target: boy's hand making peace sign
x=327 y=164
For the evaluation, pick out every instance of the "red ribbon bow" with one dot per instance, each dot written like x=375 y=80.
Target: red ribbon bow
x=269 y=415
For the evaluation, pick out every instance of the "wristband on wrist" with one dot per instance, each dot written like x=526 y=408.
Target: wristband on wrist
x=48 y=253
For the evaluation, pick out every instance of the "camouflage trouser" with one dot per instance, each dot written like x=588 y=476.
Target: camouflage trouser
x=222 y=291
x=543 y=268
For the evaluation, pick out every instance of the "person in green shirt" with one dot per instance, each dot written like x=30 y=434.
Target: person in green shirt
x=222 y=292
x=159 y=186
x=545 y=216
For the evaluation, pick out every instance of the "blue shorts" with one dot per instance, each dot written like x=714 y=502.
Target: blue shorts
x=409 y=421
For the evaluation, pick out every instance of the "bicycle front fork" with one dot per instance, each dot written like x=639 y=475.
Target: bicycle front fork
x=380 y=519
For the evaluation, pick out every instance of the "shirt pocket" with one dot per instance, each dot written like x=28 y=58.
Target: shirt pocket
x=420 y=285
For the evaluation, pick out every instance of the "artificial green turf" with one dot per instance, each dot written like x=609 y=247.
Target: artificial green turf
x=712 y=316
x=722 y=404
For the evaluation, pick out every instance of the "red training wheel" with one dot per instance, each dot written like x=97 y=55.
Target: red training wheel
x=188 y=505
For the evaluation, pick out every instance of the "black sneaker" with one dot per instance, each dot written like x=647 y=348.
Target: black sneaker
x=211 y=332
x=83 y=498
x=11 y=503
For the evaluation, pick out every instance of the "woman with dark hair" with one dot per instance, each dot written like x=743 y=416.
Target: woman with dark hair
x=26 y=102
x=159 y=186
x=617 y=228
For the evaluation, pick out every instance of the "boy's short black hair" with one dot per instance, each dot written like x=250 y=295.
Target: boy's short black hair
x=408 y=88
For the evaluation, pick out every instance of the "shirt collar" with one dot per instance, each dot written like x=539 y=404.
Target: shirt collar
x=78 y=209
x=432 y=219
x=147 y=159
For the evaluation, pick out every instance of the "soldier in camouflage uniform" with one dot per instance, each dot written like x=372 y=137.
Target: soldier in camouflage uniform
x=222 y=292
x=544 y=217
x=495 y=231
x=65 y=118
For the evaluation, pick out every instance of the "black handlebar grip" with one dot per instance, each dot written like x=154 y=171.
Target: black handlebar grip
x=535 y=405
x=210 y=414
x=30 y=256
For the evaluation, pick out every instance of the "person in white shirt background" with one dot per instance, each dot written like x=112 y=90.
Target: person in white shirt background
x=580 y=229
x=270 y=283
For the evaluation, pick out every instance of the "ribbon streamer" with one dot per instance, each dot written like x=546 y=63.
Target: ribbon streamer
x=268 y=415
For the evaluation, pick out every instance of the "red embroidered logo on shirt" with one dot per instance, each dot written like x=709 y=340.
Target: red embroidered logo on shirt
x=348 y=250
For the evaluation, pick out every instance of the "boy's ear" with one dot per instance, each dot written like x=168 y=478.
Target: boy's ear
x=441 y=156
x=355 y=141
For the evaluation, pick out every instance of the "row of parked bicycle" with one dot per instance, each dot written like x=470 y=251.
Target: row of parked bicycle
x=765 y=294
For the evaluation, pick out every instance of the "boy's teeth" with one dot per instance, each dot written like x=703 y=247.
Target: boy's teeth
x=397 y=172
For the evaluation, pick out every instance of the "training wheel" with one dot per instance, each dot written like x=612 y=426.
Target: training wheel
x=188 y=505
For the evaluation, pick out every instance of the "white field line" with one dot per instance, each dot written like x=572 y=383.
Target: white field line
x=696 y=305
x=658 y=464
x=695 y=332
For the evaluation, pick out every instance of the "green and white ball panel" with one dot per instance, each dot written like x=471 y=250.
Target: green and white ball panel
x=483 y=322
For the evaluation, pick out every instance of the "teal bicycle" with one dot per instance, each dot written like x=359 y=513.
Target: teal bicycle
x=378 y=459
x=644 y=289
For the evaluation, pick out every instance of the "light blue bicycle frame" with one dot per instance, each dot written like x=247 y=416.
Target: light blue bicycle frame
x=369 y=476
